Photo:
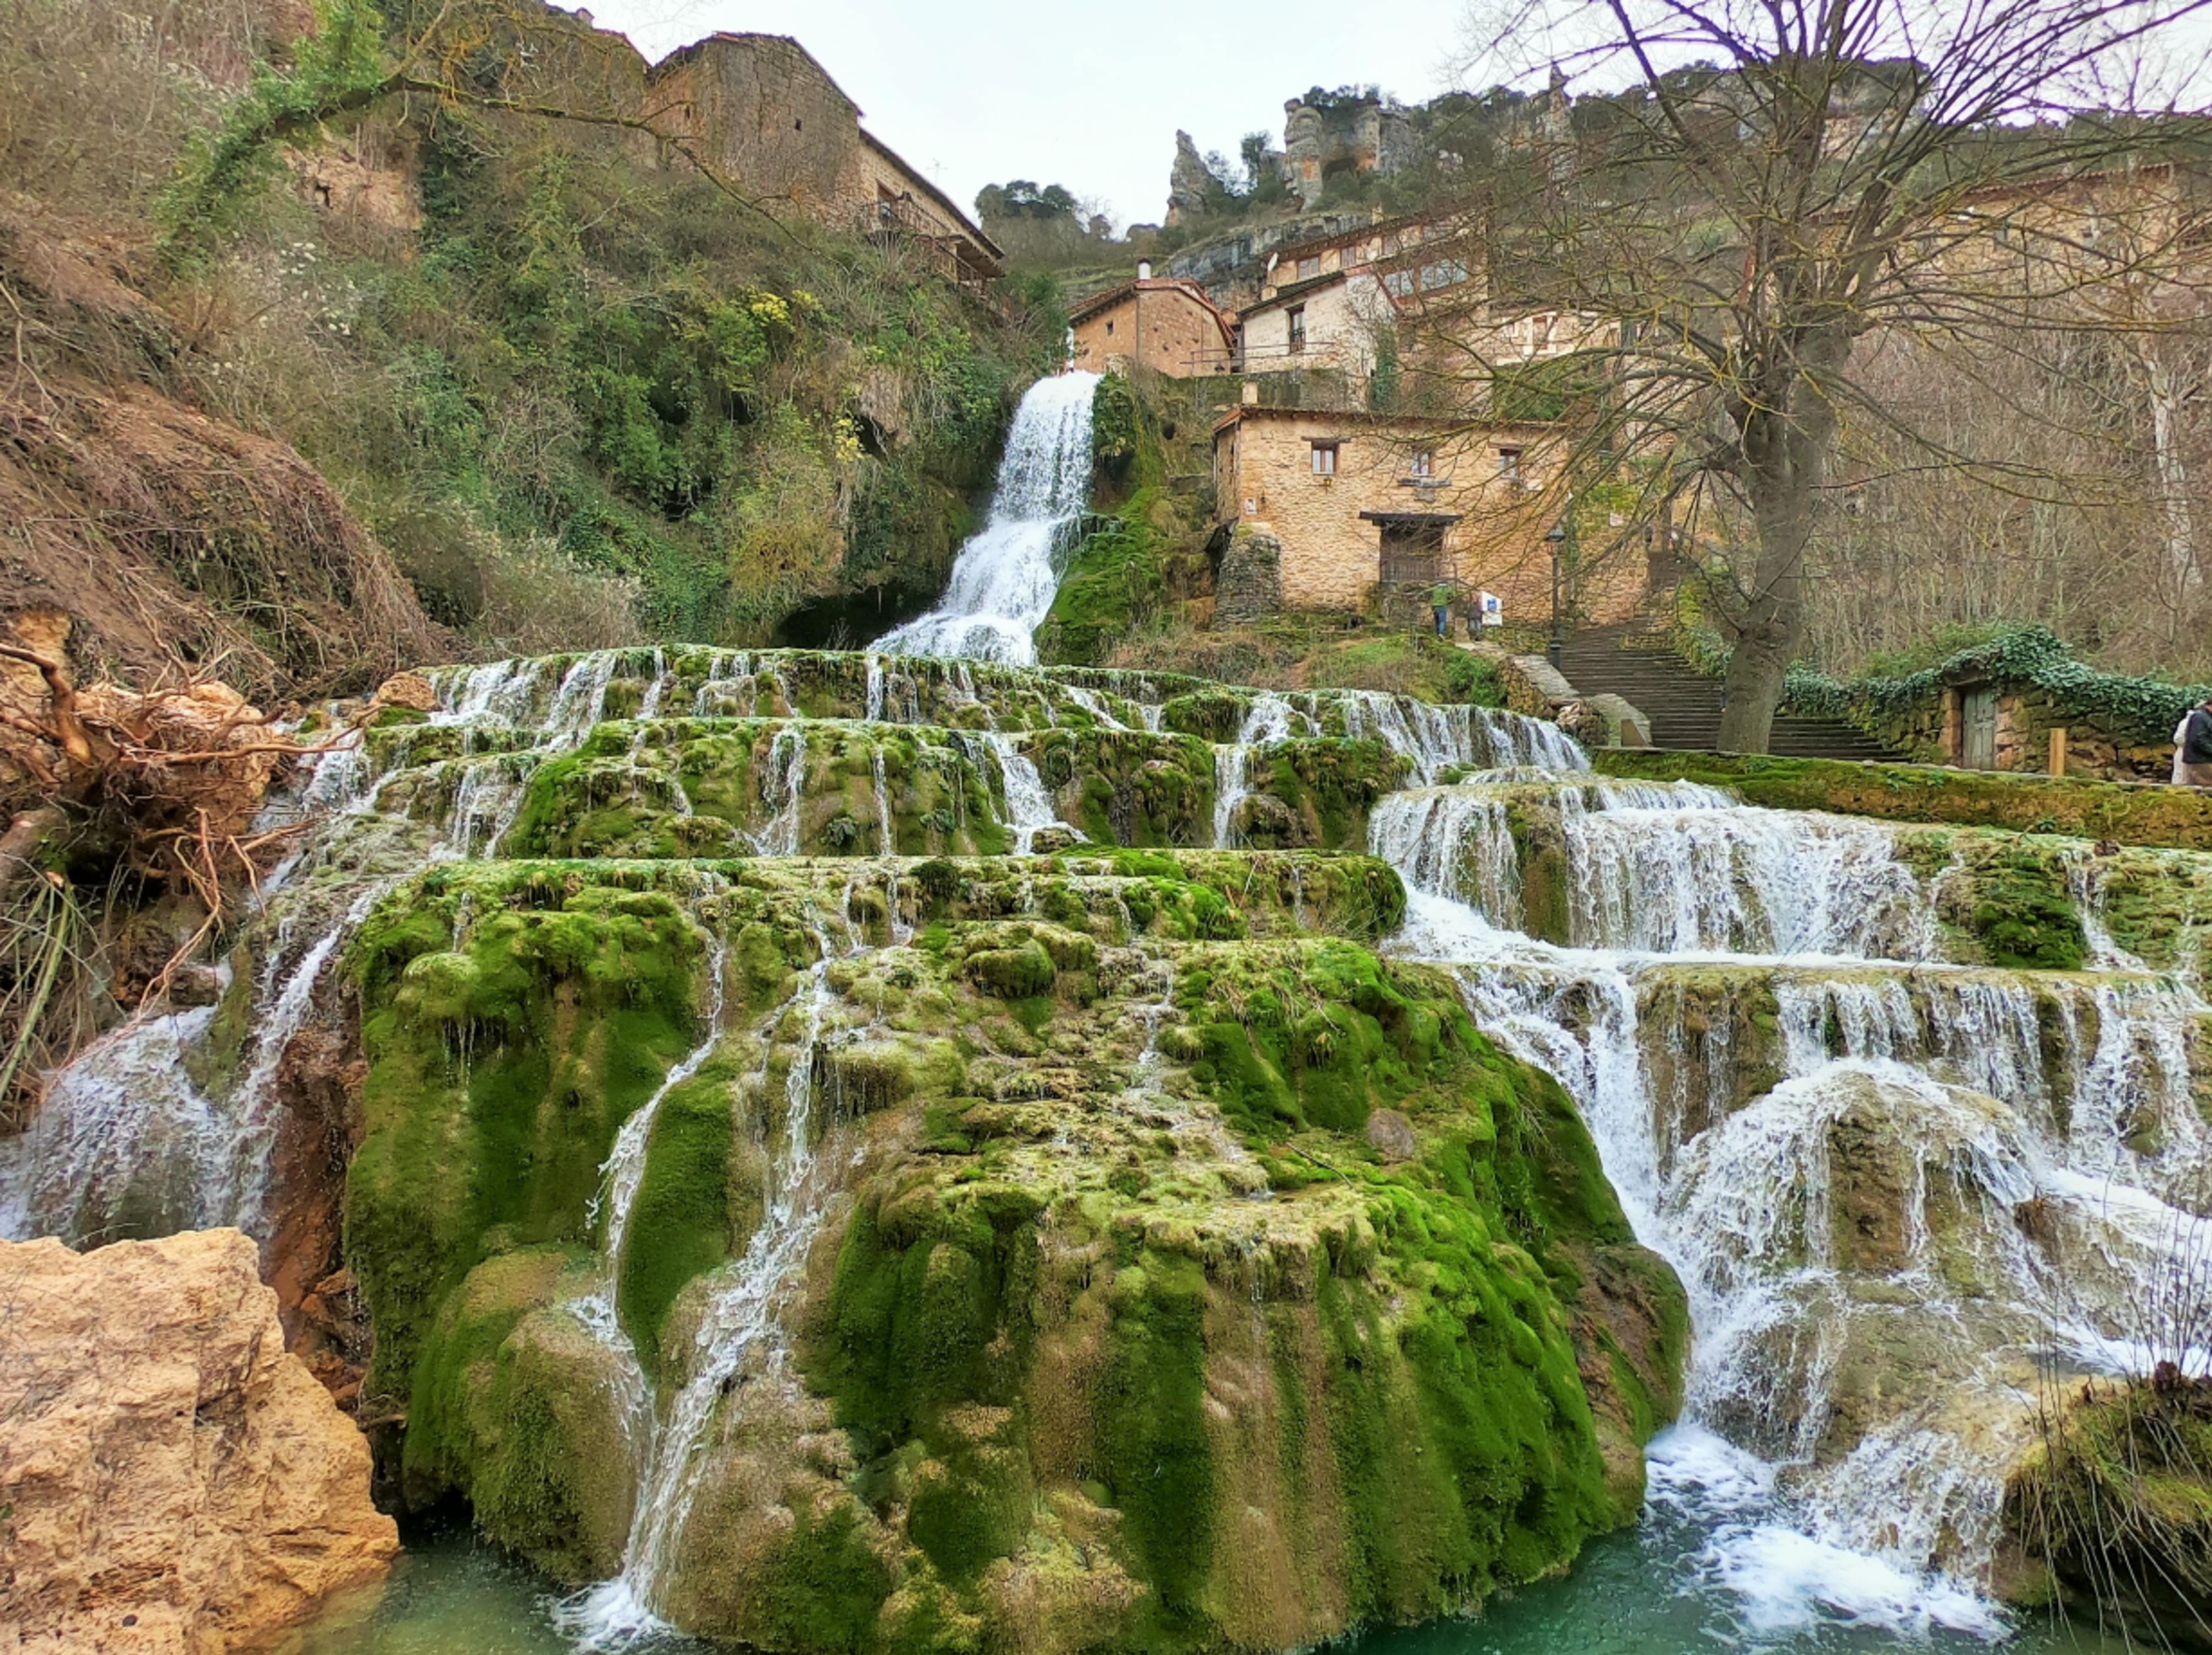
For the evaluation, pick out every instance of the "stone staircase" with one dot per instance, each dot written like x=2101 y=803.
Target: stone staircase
x=1684 y=707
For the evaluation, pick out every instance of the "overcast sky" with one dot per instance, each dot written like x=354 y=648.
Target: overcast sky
x=976 y=92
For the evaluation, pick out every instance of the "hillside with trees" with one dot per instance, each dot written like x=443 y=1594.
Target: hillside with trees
x=397 y=276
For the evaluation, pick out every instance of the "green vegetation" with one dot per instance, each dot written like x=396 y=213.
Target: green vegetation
x=2117 y=1510
x=1020 y=1336
x=504 y=1056
x=578 y=395
x=2125 y=813
x=2132 y=709
x=1114 y=584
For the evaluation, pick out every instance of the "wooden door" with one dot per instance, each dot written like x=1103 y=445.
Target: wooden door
x=1413 y=553
x=1978 y=729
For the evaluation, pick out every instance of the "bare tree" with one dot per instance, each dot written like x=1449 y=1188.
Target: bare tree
x=1780 y=179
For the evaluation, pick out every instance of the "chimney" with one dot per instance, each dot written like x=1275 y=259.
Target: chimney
x=1143 y=269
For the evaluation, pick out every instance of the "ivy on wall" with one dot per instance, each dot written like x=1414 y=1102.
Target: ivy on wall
x=2133 y=709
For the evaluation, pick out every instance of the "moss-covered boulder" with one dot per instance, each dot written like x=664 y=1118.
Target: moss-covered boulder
x=1109 y=1323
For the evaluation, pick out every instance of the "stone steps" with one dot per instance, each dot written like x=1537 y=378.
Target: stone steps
x=1684 y=707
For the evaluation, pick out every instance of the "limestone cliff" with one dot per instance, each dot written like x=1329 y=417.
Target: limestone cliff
x=171 y=1480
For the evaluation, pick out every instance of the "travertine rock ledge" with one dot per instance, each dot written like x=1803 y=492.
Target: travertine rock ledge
x=171 y=1478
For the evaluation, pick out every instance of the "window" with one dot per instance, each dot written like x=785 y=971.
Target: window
x=1109 y=330
x=1297 y=320
x=1508 y=462
x=1399 y=283
x=1309 y=268
x=1324 y=459
x=1425 y=462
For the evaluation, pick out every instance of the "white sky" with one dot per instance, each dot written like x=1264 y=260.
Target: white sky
x=976 y=92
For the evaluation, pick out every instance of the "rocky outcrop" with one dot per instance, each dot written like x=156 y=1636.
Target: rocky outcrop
x=1191 y=183
x=170 y=1479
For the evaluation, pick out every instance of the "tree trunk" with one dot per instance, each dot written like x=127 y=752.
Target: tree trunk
x=1785 y=451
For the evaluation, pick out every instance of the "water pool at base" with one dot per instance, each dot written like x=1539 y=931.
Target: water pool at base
x=1683 y=1582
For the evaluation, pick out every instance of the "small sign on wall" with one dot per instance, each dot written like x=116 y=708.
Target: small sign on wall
x=1493 y=609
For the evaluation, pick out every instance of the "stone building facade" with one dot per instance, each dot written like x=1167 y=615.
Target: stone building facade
x=1159 y=323
x=760 y=111
x=1349 y=509
x=1320 y=323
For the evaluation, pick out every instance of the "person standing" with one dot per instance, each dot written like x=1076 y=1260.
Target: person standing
x=2195 y=755
x=1440 y=601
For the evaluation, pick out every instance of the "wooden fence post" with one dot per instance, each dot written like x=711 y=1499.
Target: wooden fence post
x=2058 y=750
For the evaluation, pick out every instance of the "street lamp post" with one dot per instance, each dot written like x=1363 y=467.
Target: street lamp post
x=1557 y=539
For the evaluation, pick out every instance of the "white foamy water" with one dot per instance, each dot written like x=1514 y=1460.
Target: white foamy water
x=1003 y=579
x=1867 y=1202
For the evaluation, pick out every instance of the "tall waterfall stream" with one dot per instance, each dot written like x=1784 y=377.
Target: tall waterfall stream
x=2041 y=1127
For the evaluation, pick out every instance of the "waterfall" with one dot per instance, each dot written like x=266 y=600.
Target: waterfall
x=737 y=1328
x=1269 y=719
x=1028 y=806
x=1853 y=1153
x=1901 y=1190
x=783 y=787
x=1003 y=579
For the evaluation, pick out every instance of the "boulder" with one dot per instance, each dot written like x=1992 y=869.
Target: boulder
x=410 y=691
x=171 y=1478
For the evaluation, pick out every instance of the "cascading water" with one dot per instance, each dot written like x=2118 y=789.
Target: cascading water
x=1834 y=1134
x=737 y=1329
x=1847 y=1145
x=1269 y=719
x=1003 y=579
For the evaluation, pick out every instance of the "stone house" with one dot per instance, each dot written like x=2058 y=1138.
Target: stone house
x=1976 y=718
x=1355 y=511
x=1327 y=322
x=760 y=111
x=1162 y=323
x=1420 y=283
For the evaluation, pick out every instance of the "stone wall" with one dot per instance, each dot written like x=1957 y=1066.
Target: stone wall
x=760 y=110
x=1181 y=333
x=762 y=114
x=1337 y=334
x=1248 y=586
x=1930 y=729
x=1332 y=557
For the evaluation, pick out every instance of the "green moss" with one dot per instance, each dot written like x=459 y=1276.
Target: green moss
x=1115 y=582
x=2126 y=812
x=500 y=1070
x=1151 y=1445
x=2115 y=1512
x=679 y=1222
x=825 y=1587
x=1316 y=1036
x=509 y=1405
x=2024 y=917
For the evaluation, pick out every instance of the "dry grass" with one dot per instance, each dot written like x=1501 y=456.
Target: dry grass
x=174 y=537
